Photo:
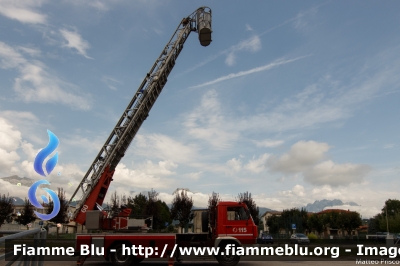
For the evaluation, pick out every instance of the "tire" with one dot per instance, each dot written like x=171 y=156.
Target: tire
x=118 y=259
x=227 y=260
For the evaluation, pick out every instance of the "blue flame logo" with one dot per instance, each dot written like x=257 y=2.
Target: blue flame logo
x=35 y=202
x=51 y=163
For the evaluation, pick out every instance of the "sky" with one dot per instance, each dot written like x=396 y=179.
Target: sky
x=293 y=101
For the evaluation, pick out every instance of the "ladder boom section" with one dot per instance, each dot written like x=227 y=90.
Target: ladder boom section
x=103 y=167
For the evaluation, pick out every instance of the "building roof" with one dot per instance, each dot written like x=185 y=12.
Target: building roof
x=272 y=212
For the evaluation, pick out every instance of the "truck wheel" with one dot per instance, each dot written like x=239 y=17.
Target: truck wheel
x=227 y=260
x=118 y=259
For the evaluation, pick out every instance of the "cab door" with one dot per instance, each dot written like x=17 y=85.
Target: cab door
x=239 y=224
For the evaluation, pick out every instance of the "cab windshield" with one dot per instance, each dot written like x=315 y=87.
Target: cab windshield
x=237 y=213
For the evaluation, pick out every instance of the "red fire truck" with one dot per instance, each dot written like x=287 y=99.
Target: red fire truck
x=225 y=223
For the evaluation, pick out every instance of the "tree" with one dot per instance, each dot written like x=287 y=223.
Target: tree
x=213 y=200
x=392 y=206
x=181 y=208
x=149 y=206
x=152 y=207
x=391 y=212
x=349 y=221
x=137 y=205
x=162 y=219
x=315 y=222
x=274 y=223
x=62 y=216
x=115 y=204
x=212 y=204
x=373 y=224
x=260 y=225
x=251 y=205
x=331 y=220
x=6 y=209
x=389 y=216
x=388 y=219
x=27 y=216
x=393 y=221
x=158 y=210
x=297 y=217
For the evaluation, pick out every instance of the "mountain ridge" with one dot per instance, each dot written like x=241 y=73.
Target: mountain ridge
x=320 y=205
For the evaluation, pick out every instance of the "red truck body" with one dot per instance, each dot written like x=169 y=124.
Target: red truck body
x=226 y=223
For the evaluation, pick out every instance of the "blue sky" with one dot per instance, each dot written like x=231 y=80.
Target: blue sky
x=293 y=101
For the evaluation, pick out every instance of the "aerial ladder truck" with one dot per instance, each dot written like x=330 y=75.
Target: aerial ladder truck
x=218 y=229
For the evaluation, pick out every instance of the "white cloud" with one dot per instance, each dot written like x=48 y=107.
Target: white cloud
x=20 y=116
x=28 y=149
x=66 y=176
x=301 y=156
x=100 y=5
x=25 y=122
x=315 y=105
x=257 y=165
x=253 y=41
x=165 y=148
x=10 y=58
x=299 y=196
x=267 y=143
x=328 y=172
x=142 y=6
x=144 y=177
x=195 y=175
x=230 y=59
x=207 y=122
x=10 y=140
x=389 y=146
x=252 y=44
x=276 y=63
x=13 y=190
x=34 y=52
x=234 y=164
x=23 y=11
x=90 y=145
x=75 y=41
x=298 y=191
x=305 y=157
x=199 y=199
x=110 y=82
x=36 y=84
x=162 y=168
x=303 y=18
x=137 y=179
x=248 y=27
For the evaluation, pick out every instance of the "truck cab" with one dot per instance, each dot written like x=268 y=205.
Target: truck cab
x=234 y=221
